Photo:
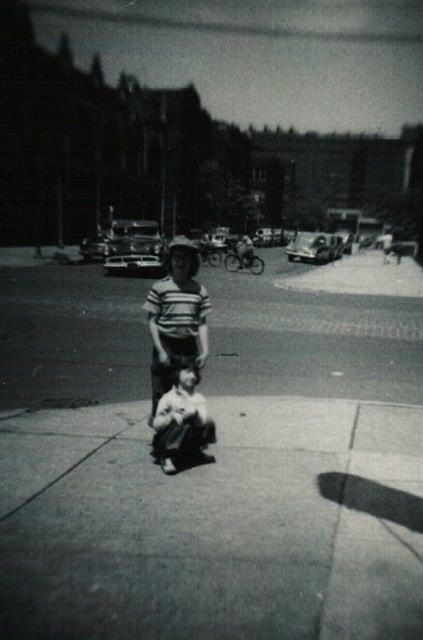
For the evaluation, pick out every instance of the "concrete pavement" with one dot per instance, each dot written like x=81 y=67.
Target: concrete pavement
x=364 y=274
x=308 y=526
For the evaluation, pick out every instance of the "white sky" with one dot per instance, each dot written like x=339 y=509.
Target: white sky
x=288 y=70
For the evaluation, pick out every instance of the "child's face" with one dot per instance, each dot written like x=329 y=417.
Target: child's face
x=181 y=263
x=187 y=379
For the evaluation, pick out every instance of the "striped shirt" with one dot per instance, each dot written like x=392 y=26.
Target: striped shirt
x=178 y=308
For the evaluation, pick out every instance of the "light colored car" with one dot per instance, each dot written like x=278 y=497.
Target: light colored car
x=218 y=242
x=263 y=237
x=133 y=264
x=310 y=246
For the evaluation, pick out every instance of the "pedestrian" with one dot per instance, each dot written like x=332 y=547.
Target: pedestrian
x=177 y=308
x=386 y=247
x=181 y=422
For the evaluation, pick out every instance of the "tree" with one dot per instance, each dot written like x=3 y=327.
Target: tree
x=400 y=212
x=229 y=201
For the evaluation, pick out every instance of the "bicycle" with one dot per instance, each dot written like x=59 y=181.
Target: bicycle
x=253 y=263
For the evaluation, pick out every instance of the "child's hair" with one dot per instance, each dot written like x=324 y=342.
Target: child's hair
x=194 y=262
x=184 y=363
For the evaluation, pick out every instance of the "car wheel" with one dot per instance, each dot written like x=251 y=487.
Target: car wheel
x=291 y=258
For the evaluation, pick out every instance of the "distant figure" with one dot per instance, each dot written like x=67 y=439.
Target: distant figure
x=386 y=247
x=244 y=248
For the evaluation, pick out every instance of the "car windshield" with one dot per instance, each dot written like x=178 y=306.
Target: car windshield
x=308 y=239
x=142 y=231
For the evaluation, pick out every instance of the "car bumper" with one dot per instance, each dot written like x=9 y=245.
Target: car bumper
x=302 y=255
x=132 y=264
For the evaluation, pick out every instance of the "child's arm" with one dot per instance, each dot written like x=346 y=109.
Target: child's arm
x=155 y=336
x=203 y=338
x=164 y=415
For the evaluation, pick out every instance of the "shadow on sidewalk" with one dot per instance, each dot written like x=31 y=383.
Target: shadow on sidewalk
x=373 y=498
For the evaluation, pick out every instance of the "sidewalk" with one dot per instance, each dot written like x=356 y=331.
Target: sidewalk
x=363 y=274
x=309 y=525
x=31 y=257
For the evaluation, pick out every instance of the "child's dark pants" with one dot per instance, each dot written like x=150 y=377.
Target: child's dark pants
x=183 y=438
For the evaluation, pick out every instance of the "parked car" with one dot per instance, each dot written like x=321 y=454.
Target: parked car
x=314 y=247
x=139 y=237
x=97 y=248
x=366 y=240
x=133 y=264
x=263 y=237
x=218 y=242
x=289 y=234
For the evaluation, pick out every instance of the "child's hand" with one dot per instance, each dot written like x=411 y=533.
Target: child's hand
x=200 y=361
x=164 y=358
x=179 y=416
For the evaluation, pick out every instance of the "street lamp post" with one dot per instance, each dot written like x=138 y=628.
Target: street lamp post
x=293 y=188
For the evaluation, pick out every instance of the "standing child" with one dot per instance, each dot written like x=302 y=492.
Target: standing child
x=181 y=422
x=177 y=308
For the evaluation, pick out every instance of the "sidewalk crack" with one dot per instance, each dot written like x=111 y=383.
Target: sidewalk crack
x=355 y=425
x=48 y=486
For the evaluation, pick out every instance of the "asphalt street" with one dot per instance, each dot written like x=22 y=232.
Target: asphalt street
x=69 y=333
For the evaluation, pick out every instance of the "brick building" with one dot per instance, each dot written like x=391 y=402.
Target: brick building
x=322 y=172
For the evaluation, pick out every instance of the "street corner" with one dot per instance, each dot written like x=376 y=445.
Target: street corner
x=7 y=414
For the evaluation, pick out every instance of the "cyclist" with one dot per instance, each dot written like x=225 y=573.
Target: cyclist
x=244 y=249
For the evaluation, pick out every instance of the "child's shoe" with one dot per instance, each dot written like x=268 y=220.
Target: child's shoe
x=167 y=466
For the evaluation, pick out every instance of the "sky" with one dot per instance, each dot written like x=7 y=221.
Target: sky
x=315 y=65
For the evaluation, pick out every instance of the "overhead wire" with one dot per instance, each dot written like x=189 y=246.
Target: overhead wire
x=270 y=32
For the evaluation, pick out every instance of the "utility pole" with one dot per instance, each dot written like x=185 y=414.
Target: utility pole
x=98 y=185
x=163 y=202
x=60 y=242
x=174 y=216
x=293 y=191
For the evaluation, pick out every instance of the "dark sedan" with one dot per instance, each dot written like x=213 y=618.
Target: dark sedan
x=98 y=248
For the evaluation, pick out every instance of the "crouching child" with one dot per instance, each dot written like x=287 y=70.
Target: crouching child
x=181 y=423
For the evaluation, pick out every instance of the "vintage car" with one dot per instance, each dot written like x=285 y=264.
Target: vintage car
x=218 y=242
x=316 y=247
x=134 y=264
x=97 y=248
x=137 y=237
x=263 y=237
